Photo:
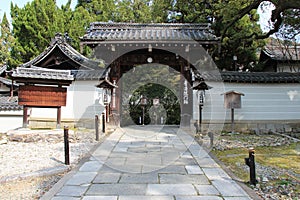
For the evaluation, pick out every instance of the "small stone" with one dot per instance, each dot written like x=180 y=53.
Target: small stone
x=265 y=179
x=28 y=140
x=16 y=139
x=3 y=141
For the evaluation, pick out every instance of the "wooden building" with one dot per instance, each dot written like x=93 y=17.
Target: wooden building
x=45 y=84
x=180 y=47
x=127 y=54
x=281 y=58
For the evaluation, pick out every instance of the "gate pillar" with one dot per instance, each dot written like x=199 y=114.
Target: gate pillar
x=186 y=96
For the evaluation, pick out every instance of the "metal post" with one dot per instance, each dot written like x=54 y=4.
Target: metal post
x=200 y=118
x=232 y=120
x=251 y=163
x=103 y=122
x=143 y=115
x=66 y=142
x=97 y=127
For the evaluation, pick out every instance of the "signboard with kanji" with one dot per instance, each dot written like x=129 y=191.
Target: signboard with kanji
x=42 y=96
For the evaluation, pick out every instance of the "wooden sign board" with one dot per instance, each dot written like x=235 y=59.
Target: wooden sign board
x=42 y=96
x=232 y=100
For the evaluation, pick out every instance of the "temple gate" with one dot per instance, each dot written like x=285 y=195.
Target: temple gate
x=125 y=45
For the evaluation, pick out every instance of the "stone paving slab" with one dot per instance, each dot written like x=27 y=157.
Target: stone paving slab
x=117 y=189
x=171 y=189
x=100 y=198
x=207 y=190
x=214 y=173
x=183 y=179
x=229 y=188
x=148 y=165
x=65 y=198
x=72 y=191
x=198 y=198
x=193 y=169
x=237 y=198
x=139 y=178
x=107 y=178
x=91 y=166
x=82 y=178
x=146 y=198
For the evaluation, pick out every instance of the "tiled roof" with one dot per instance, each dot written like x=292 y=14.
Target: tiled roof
x=42 y=73
x=7 y=81
x=149 y=32
x=2 y=69
x=261 y=77
x=88 y=74
x=60 y=42
x=9 y=103
x=282 y=53
x=251 y=77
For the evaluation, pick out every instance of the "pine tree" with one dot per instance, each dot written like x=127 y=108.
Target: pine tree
x=138 y=11
x=99 y=10
x=6 y=41
x=34 y=26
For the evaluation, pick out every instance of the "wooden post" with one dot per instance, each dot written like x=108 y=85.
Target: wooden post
x=66 y=142
x=12 y=87
x=103 y=122
x=58 y=118
x=107 y=113
x=25 y=117
x=232 y=120
x=251 y=163
x=97 y=127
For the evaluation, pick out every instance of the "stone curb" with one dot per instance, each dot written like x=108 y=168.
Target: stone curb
x=248 y=190
x=39 y=173
x=57 y=186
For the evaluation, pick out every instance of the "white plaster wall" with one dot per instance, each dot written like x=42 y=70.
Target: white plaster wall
x=83 y=101
x=10 y=120
x=261 y=102
x=4 y=88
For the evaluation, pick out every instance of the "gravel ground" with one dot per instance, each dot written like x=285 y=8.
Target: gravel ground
x=271 y=185
x=32 y=161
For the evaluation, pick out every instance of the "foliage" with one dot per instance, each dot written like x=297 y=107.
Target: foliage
x=169 y=109
x=234 y=21
x=6 y=42
x=151 y=81
x=133 y=11
x=33 y=27
x=99 y=10
x=235 y=40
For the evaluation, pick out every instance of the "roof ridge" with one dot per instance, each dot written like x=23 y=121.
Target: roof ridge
x=106 y=25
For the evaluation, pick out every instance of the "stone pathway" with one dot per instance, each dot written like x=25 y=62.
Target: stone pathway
x=149 y=163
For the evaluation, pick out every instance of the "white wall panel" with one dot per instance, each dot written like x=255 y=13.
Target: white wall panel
x=261 y=102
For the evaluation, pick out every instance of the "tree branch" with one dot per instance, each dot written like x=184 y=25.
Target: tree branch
x=276 y=17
